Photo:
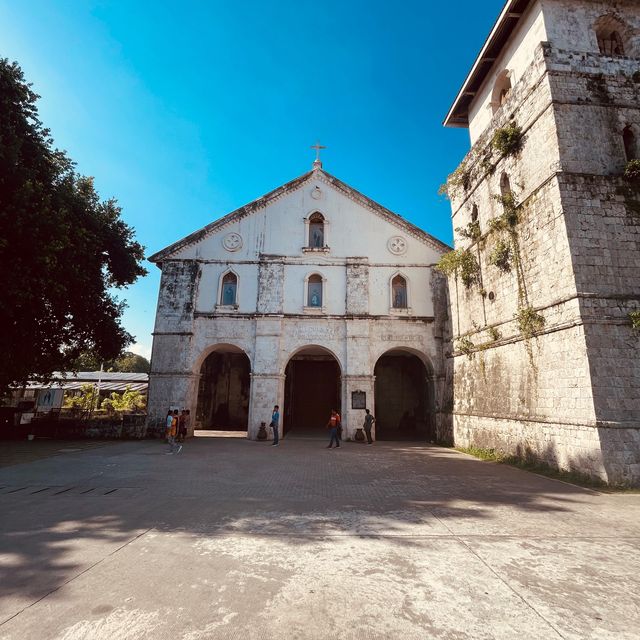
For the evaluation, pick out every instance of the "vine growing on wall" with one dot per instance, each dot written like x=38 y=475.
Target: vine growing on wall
x=462 y=263
x=634 y=316
x=466 y=346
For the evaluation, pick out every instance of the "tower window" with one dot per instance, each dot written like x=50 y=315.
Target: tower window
x=316 y=231
x=314 y=291
x=229 y=290
x=501 y=90
x=399 y=292
x=610 y=43
x=474 y=213
x=630 y=143
x=505 y=185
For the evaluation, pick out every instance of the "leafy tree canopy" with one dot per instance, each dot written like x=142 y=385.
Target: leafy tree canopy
x=128 y=362
x=62 y=249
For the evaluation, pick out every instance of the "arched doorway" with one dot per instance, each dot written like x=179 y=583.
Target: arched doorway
x=223 y=391
x=312 y=389
x=403 y=398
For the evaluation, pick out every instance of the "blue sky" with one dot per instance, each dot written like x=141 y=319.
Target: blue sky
x=184 y=111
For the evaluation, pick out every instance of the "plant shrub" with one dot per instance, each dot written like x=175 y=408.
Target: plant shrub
x=507 y=140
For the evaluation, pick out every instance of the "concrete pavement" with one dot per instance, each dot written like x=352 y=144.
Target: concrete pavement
x=238 y=539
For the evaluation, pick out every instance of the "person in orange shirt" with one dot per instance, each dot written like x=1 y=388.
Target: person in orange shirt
x=172 y=430
x=334 y=426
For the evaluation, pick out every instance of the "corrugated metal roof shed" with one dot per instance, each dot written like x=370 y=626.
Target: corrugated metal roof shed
x=109 y=381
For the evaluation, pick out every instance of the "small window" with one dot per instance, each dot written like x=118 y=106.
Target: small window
x=505 y=185
x=399 y=293
x=316 y=231
x=314 y=291
x=229 y=290
x=630 y=144
x=474 y=213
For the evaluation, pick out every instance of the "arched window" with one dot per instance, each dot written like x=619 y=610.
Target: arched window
x=399 y=292
x=630 y=143
x=505 y=185
x=316 y=231
x=229 y=290
x=610 y=43
x=314 y=291
x=613 y=36
x=501 y=90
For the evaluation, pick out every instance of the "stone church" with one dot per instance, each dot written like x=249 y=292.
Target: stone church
x=315 y=296
x=546 y=208
x=312 y=297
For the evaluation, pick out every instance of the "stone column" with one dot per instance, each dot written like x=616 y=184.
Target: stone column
x=267 y=389
x=171 y=390
x=267 y=383
x=353 y=419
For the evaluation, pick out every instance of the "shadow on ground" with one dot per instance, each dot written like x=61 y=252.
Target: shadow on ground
x=64 y=514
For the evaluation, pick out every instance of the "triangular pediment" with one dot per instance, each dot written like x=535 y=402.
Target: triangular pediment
x=316 y=174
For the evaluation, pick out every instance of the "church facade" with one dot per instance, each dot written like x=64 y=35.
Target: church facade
x=313 y=298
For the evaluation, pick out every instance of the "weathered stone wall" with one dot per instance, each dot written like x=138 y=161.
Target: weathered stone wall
x=271 y=321
x=568 y=390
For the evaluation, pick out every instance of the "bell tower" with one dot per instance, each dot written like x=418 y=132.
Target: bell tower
x=545 y=279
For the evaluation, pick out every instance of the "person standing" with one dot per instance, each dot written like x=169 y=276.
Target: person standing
x=182 y=430
x=172 y=431
x=332 y=425
x=275 y=419
x=368 y=423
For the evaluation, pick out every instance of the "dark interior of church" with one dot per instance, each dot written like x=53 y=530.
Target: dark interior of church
x=403 y=404
x=223 y=394
x=312 y=389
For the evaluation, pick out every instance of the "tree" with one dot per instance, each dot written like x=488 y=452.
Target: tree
x=127 y=402
x=62 y=250
x=83 y=403
x=128 y=362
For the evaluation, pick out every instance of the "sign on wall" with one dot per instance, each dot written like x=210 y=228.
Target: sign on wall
x=358 y=400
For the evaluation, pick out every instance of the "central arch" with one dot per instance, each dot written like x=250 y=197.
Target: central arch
x=404 y=397
x=312 y=389
x=224 y=390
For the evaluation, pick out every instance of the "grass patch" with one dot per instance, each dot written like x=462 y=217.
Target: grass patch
x=544 y=469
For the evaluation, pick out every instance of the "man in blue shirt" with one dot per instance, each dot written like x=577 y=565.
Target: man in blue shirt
x=275 y=418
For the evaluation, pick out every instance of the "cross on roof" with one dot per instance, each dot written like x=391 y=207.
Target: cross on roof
x=317 y=163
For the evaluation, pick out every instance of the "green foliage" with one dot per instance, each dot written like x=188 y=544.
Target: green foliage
x=510 y=216
x=500 y=255
x=529 y=321
x=466 y=346
x=507 y=140
x=127 y=402
x=494 y=334
x=634 y=316
x=128 y=362
x=529 y=462
x=460 y=262
x=460 y=178
x=83 y=403
x=471 y=231
x=62 y=250
x=632 y=172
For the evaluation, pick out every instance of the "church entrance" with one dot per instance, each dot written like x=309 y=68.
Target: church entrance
x=312 y=389
x=223 y=392
x=403 y=398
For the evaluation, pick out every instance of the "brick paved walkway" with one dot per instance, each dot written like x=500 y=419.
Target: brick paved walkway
x=238 y=539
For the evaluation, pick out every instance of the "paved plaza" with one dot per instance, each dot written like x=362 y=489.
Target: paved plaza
x=238 y=539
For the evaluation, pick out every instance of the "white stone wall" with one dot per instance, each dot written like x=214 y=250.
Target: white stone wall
x=516 y=58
